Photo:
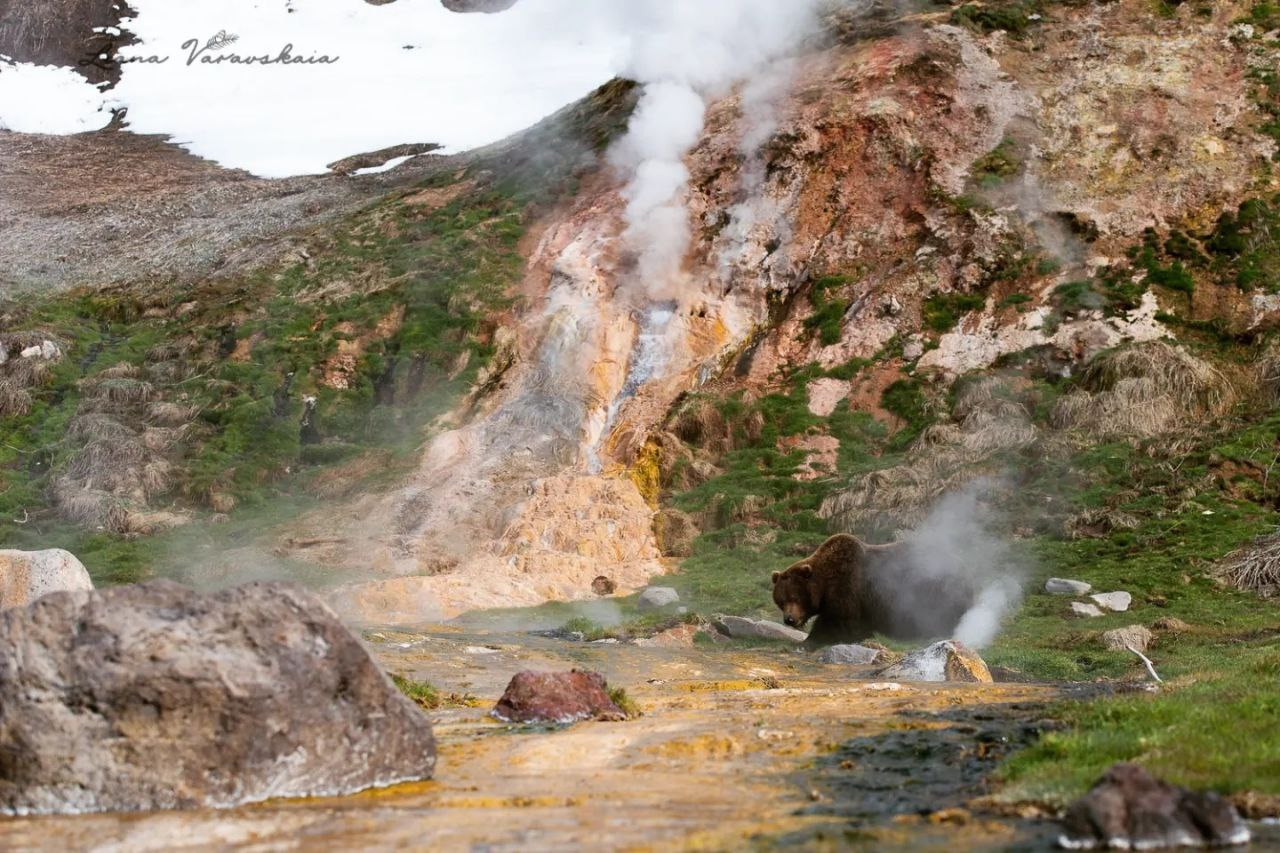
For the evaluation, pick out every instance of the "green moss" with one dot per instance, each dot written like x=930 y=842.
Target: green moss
x=619 y=697
x=827 y=319
x=943 y=311
x=423 y=694
x=1014 y=18
x=996 y=165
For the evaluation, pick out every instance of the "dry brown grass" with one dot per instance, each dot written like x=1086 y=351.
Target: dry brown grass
x=15 y=402
x=985 y=421
x=1255 y=567
x=123 y=370
x=90 y=507
x=1143 y=391
x=95 y=426
x=117 y=393
x=163 y=413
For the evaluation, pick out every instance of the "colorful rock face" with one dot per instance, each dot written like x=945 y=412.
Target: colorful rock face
x=948 y=660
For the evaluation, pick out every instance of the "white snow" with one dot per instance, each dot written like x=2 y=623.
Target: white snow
x=46 y=99
x=468 y=79
x=385 y=167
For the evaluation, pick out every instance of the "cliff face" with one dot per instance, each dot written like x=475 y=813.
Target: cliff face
x=934 y=165
x=939 y=193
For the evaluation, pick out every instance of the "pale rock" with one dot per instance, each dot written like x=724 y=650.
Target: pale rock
x=851 y=653
x=657 y=597
x=948 y=660
x=1117 y=602
x=825 y=395
x=27 y=575
x=1063 y=586
x=1079 y=608
x=1135 y=637
x=740 y=627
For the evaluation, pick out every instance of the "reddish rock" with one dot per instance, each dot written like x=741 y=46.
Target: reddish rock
x=557 y=697
x=1130 y=809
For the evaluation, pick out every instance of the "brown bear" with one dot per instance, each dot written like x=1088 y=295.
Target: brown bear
x=856 y=590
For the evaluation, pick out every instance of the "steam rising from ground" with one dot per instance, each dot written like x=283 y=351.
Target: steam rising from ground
x=957 y=545
x=685 y=54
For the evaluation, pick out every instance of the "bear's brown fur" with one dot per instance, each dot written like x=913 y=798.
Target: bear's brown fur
x=856 y=590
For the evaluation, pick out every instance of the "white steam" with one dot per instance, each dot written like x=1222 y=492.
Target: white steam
x=685 y=53
x=957 y=546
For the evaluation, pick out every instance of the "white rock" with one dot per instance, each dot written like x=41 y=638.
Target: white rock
x=825 y=395
x=657 y=597
x=1079 y=608
x=1062 y=586
x=944 y=661
x=740 y=628
x=27 y=575
x=1117 y=602
x=849 y=653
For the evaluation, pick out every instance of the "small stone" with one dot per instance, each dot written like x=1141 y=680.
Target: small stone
x=1135 y=637
x=1129 y=809
x=27 y=575
x=1062 y=586
x=1170 y=623
x=949 y=660
x=849 y=653
x=1117 y=602
x=657 y=597
x=557 y=697
x=912 y=350
x=1079 y=608
x=739 y=627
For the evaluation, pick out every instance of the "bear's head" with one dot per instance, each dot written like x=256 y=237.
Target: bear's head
x=796 y=595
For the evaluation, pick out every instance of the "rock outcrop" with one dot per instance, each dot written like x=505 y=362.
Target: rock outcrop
x=157 y=697
x=1129 y=809
x=557 y=697
x=27 y=575
x=850 y=653
x=948 y=660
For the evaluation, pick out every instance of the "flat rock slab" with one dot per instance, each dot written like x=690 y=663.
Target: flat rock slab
x=157 y=697
x=1129 y=809
x=1135 y=637
x=1117 y=602
x=741 y=628
x=1079 y=608
x=27 y=575
x=557 y=697
x=948 y=660
x=657 y=597
x=850 y=653
x=1062 y=586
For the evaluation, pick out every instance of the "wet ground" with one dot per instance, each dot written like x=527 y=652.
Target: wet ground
x=736 y=748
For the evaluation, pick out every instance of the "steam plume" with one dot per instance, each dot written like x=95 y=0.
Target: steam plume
x=957 y=545
x=685 y=53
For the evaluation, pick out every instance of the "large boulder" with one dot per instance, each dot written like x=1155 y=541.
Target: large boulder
x=949 y=660
x=557 y=697
x=1129 y=809
x=27 y=575
x=157 y=697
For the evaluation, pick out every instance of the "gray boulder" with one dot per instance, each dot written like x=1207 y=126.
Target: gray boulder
x=657 y=597
x=1079 y=608
x=1129 y=809
x=27 y=575
x=1135 y=637
x=849 y=653
x=740 y=628
x=157 y=697
x=1062 y=586
x=949 y=660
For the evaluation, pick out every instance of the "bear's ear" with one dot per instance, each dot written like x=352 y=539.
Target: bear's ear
x=804 y=570
x=776 y=575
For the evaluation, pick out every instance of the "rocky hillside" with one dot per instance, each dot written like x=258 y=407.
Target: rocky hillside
x=1026 y=244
